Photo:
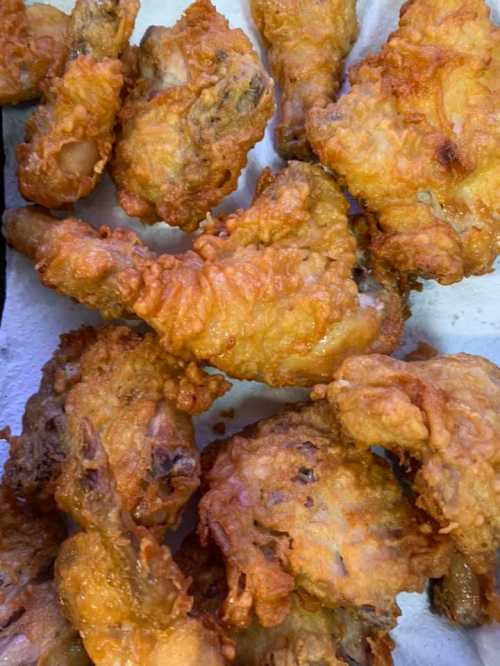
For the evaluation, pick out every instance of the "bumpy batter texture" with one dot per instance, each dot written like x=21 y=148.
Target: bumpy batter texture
x=32 y=627
x=307 y=43
x=202 y=100
x=293 y=509
x=33 y=48
x=138 y=399
x=417 y=140
x=119 y=587
x=268 y=294
x=444 y=415
x=69 y=137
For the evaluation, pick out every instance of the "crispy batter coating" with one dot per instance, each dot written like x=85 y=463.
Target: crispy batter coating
x=32 y=628
x=307 y=43
x=138 y=399
x=417 y=139
x=201 y=102
x=294 y=509
x=33 y=47
x=120 y=588
x=70 y=136
x=269 y=293
x=443 y=413
x=310 y=635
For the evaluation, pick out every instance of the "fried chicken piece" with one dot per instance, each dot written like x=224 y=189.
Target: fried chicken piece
x=307 y=43
x=201 y=102
x=310 y=635
x=442 y=414
x=293 y=509
x=268 y=294
x=138 y=399
x=70 y=136
x=121 y=589
x=417 y=139
x=32 y=628
x=33 y=47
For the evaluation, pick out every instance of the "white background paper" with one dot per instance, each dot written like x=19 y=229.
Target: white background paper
x=463 y=317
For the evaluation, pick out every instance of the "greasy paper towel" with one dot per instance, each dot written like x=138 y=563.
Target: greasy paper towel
x=463 y=317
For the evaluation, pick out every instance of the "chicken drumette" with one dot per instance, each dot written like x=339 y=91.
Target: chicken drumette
x=307 y=42
x=269 y=293
x=70 y=136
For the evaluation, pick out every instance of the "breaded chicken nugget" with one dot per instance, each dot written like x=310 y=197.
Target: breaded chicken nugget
x=201 y=102
x=417 y=140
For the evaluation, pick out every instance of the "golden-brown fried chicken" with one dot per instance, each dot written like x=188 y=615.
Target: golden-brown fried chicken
x=293 y=509
x=444 y=414
x=268 y=294
x=311 y=634
x=120 y=588
x=417 y=139
x=70 y=136
x=33 y=47
x=32 y=628
x=200 y=104
x=138 y=399
x=307 y=42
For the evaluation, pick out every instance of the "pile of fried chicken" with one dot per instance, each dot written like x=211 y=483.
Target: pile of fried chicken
x=310 y=522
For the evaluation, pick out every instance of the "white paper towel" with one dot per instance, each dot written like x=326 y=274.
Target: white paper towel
x=463 y=317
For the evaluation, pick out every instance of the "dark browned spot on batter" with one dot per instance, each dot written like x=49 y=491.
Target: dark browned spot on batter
x=447 y=154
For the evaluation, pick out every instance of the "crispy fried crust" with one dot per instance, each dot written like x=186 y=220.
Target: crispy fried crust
x=138 y=399
x=268 y=293
x=32 y=627
x=200 y=104
x=294 y=509
x=120 y=588
x=307 y=43
x=417 y=139
x=444 y=414
x=70 y=136
x=33 y=48
x=310 y=635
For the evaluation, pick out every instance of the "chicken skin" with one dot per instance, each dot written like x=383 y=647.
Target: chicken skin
x=138 y=399
x=417 y=140
x=442 y=415
x=201 y=102
x=310 y=635
x=307 y=43
x=69 y=137
x=32 y=627
x=33 y=48
x=119 y=587
x=268 y=293
x=294 y=510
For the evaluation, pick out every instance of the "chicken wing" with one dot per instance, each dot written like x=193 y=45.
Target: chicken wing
x=310 y=635
x=201 y=102
x=269 y=293
x=138 y=399
x=32 y=627
x=417 y=139
x=70 y=136
x=307 y=42
x=33 y=48
x=120 y=588
x=444 y=415
x=293 y=509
